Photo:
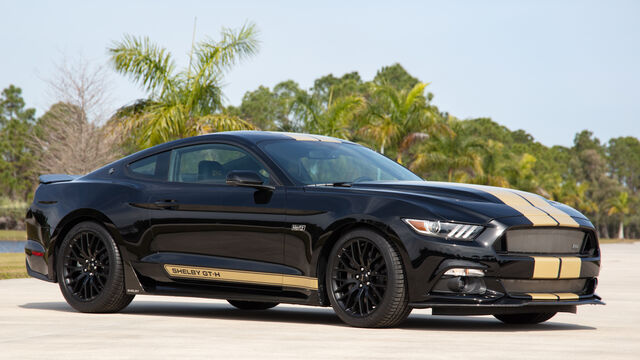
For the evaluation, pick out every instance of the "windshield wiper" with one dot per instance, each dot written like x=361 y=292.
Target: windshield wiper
x=336 y=184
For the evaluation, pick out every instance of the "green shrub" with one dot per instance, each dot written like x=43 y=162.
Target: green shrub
x=12 y=213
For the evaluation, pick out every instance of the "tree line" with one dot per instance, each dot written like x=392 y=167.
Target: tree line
x=392 y=113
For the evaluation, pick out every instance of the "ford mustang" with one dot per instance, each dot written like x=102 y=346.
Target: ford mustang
x=261 y=218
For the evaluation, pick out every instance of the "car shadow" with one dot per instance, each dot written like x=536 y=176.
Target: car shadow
x=312 y=315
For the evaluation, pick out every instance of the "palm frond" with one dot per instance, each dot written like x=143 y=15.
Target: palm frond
x=148 y=64
x=413 y=96
x=220 y=122
x=217 y=57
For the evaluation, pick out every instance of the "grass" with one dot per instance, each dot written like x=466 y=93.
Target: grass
x=13 y=235
x=12 y=266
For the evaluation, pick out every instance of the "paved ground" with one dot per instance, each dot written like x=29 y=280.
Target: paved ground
x=35 y=322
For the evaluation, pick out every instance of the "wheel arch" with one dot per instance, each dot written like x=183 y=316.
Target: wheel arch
x=337 y=231
x=67 y=223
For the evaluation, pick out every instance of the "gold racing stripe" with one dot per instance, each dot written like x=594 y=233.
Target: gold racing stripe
x=567 y=296
x=541 y=203
x=326 y=139
x=543 y=296
x=545 y=267
x=301 y=137
x=570 y=268
x=510 y=198
x=248 y=277
x=300 y=282
x=307 y=137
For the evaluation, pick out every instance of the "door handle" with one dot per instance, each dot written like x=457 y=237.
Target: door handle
x=166 y=204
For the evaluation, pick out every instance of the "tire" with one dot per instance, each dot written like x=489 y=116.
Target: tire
x=366 y=282
x=89 y=270
x=252 y=305
x=532 y=318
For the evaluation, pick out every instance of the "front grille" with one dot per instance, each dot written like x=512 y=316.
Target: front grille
x=545 y=241
x=544 y=286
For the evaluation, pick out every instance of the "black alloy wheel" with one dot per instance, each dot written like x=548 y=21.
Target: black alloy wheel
x=360 y=277
x=86 y=266
x=366 y=282
x=90 y=271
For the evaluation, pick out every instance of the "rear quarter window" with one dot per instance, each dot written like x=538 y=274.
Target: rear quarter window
x=155 y=167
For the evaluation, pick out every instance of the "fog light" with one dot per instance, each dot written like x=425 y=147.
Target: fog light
x=464 y=272
x=467 y=285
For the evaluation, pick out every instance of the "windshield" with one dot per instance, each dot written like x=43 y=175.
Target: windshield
x=321 y=162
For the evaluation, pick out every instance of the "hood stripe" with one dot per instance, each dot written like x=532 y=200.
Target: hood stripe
x=534 y=207
x=560 y=216
x=534 y=214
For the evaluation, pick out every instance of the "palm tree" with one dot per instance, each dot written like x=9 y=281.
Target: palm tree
x=186 y=102
x=458 y=154
x=620 y=205
x=332 y=119
x=494 y=165
x=400 y=118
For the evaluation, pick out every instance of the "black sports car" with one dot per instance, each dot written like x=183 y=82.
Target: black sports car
x=260 y=218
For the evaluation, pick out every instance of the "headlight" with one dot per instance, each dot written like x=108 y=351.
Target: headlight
x=445 y=229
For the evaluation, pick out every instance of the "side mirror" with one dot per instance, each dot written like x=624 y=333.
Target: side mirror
x=247 y=179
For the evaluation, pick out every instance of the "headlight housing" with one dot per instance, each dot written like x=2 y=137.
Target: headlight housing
x=444 y=229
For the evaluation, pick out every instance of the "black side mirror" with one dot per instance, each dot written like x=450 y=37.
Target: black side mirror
x=248 y=179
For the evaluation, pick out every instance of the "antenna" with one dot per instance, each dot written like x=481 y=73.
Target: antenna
x=193 y=42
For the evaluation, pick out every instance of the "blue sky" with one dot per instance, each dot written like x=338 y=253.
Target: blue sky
x=551 y=68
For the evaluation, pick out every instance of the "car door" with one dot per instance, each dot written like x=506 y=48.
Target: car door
x=202 y=227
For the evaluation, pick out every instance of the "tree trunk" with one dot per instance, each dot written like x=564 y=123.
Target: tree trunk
x=621 y=230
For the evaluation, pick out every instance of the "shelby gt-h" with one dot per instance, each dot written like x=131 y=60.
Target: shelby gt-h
x=260 y=218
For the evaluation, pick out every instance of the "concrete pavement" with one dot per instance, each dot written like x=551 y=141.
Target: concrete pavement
x=36 y=322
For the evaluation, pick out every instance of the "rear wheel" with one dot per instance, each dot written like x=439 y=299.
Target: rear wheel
x=90 y=272
x=366 y=282
x=532 y=318
x=252 y=305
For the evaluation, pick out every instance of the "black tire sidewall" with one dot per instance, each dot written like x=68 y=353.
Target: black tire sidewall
x=393 y=280
x=102 y=301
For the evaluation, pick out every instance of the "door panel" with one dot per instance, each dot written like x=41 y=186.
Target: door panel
x=221 y=221
x=232 y=229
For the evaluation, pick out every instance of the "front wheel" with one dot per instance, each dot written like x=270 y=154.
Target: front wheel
x=366 y=281
x=252 y=305
x=89 y=270
x=522 y=319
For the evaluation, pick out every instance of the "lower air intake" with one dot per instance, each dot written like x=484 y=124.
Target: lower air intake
x=543 y=286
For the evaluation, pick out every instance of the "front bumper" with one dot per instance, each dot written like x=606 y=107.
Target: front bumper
x=514 y=282
x=505 y=305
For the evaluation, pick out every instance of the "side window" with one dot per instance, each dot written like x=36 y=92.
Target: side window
x=153 y=167
x=210 y=164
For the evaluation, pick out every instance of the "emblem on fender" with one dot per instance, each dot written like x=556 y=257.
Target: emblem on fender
x=298 y=227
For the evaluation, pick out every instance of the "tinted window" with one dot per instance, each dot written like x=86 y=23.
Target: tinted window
x=210 y=163
x=319 y=162
x=152 y=167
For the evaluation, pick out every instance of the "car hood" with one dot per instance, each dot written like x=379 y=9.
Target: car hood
x=478 y=203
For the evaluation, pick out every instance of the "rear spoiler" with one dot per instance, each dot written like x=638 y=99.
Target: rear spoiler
x=56 y=178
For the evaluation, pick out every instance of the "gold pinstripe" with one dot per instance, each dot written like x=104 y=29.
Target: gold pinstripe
x=249 y=277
